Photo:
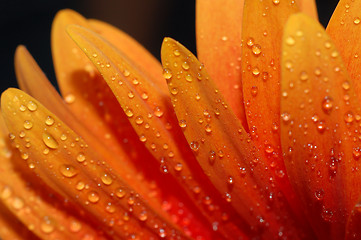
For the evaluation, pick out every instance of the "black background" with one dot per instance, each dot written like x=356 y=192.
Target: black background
x=29 y=22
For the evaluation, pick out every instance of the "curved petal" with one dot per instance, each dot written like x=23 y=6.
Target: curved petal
x=133 y=50
x=219 y=29
x=263 y=23
x=345 y=30
x=222 y=147
x=62 y=159
x=153 y=120
x=320 y=129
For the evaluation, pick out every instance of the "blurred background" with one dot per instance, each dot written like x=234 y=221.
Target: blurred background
x=29 y=23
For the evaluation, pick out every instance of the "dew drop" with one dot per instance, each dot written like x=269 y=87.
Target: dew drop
x=50 y=141
x=327 y=104
x=106 y=179
x=93 y=197
x=189 y=78
x=32 y=106
x=185 y=65
x=80 y=186
x=167 y=74
x=17 y=203
x=75 y=226
x=176 y=52
x=69 y=98
x=129 y=112
x=28 y=124
x=120 y=193
x=178 y=167
x=194 y=145
x=212 y=157
x=348 y=117
x=276 y=2
x=208 y=128
x=143 y=216
x=250 y=42
x=22 y=108
x=139 y=120
x=47 y=226
x=357 y=21
x=68 y=170
x=49 y=121
x=182 y=123
x=158 y=112
x=80 y=157
x=254 y=91
x=319 y=194
x=303 y=76
x=256 y=49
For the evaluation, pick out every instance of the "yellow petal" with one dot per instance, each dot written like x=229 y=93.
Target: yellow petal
x=320 y=129
x=152 y=119
x=64 y=161
x=345 y=30
x=219 y=30
x=221 y=145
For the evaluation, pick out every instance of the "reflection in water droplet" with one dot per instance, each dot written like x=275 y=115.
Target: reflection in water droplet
x=68 y=170
x=93 y=197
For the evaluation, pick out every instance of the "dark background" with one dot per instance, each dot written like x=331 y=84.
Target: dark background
x=29 y=23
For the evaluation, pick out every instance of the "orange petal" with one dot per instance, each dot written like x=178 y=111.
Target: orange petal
x=43 y=214
x=263 y=23
x=145 y=61
x=308 y=7
x=153 y=120
x=219 y=29
x=221 y=145
x=344 y=29
x=62 y=159
x=353 y=231
x=320 y=129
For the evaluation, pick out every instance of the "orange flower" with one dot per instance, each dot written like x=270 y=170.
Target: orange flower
x=262 y=141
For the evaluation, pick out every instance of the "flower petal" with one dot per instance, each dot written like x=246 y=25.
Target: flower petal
x=64 y=161
x=345 y=30
x=222 y=146
x=43 y=214
x=219 y=30
x=153 y=120
x=133 y=50
x=320 y=129
x=263 y=23
x=308 y=7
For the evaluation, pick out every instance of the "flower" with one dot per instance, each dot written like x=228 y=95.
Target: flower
x=259 y=141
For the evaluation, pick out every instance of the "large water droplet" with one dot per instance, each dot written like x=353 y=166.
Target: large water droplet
x=68 y=170
x=50 y=141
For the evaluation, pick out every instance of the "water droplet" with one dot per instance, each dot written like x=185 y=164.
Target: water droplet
x=17 y=203
x=49 y=121
x=167 y=74
x=176 y=52
x=143 y=216
x=256 y=49
x=80 y=157
x=319 y=194
x=158 y=112
x=327 y=104
x=129 y=112
x=348 y=117
x=106 y=179
x=255 y=71
x=130 y=94
x=143 y=138
x=6 y=192
x=50 y=141
x=356 y=20
x=93 y=197
x=185 y=65
x=120 y=193
x=32 y=106
x=28 y=124
x=189 y=78
x=321 y=126
x=174 y=91
x=80 y=186
x=194 y=145
x=212 y=157
x=178 y=167
x=68 y=170
x=22 y=108
x=208 y=128
x=75 y=226
x=139 y=120
x=254 y=91
x=303 y=76
x=290 y=41
x=276 y=2
x=285 y=117
x=250 y=42
x=182 y=123
x=47 y=226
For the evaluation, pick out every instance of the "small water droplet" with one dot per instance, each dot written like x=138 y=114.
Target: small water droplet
x=167 y=74
x=176 y=52
x=327 y=104
x=17 y=203
x=69 y=98
x=28 y=124
x=290 y=41
x=68 y=170
x=348 y=117
x=129 y=112
x=194 y=145
x=106 y=179
x=139 y=120
x=183 y=123
x=75 y=226
x=256 y=49
x=120 y=193
x=276 y=2
x=356 y=21
x=212 y=157
x=185 y=65
x=47 y=226
x=93 y=197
